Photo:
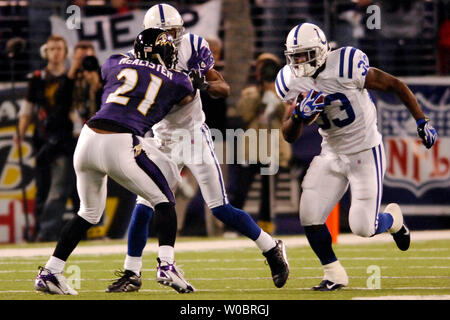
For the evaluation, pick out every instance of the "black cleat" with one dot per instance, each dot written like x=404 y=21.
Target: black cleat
x=327 y=285
x=402 y=238
x=279 y=266
x=128 y=281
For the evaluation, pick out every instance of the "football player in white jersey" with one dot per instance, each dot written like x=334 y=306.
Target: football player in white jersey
x=330 y=87
x=194 y=57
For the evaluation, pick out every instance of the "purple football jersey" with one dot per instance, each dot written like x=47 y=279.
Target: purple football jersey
x=137 y=93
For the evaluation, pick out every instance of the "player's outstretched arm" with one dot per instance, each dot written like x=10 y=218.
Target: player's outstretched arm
x=382 y=81
x=218 y=87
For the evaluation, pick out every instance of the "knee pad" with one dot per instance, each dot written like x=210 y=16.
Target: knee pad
x=90 y=216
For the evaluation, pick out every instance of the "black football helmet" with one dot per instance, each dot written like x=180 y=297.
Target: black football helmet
x=156 y=45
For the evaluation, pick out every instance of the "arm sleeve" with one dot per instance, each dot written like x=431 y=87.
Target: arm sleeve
x=353 y=67
x=360 y=68
x=105 y=69
x=182 y=87
x=288 y=87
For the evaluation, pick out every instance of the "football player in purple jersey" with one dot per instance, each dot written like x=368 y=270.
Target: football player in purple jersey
x=138 y=92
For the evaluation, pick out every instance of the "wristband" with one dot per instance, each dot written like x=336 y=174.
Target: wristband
x=422 y=120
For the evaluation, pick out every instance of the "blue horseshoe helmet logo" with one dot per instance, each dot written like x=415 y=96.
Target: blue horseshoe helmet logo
x=321 y=41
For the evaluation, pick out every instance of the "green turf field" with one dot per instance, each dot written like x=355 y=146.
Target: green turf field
x=241 y=274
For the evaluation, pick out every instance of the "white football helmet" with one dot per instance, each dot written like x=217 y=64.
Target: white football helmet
x=306 y=49
x=165 y=17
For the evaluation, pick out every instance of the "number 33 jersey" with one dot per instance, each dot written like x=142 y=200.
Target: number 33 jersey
x=349 y=121
x=137 y=93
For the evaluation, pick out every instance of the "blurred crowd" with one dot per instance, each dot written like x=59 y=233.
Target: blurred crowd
x=65 y=92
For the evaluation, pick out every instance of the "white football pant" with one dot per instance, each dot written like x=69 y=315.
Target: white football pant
x=201 y=160
x=327 y=179
x=127 y=159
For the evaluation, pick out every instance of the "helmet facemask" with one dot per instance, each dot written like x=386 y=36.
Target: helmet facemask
x=304 y=62
x=178 y=33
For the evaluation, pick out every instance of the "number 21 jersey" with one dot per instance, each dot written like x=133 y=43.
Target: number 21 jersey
x=137 y=93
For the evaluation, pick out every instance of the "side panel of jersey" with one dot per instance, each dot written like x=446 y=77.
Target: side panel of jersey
x=189 y=116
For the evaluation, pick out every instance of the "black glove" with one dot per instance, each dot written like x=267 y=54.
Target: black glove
x=198 y=81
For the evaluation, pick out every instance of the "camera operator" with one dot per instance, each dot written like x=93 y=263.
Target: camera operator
x=85 y=71
x=47 y=106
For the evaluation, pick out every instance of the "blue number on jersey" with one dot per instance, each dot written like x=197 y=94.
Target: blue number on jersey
x=346 y=105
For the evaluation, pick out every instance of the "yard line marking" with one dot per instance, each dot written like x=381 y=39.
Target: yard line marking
x=224 y=244
x=169 y=290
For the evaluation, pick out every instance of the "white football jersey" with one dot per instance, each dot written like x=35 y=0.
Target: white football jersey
x=190 y=115
x=349 y=122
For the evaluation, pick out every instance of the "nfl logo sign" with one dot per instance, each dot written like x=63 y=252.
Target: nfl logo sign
x=409 y=164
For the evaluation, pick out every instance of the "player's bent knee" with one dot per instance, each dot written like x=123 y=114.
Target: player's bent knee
x=90 y=216
x=140 y=200
x=362 y=229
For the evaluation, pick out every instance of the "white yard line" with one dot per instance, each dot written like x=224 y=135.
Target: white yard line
x=225 y=244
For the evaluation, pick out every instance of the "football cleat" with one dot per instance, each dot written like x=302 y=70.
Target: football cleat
x=170 y=275
x=128 y=282
x=327 y=285
x=402 y=238
x=399 y=230
x=278 y=263
x=53 y=283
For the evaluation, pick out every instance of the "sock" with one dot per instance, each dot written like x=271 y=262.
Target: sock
x=335 y=272
x=238 y=219
x=166 y=223
x=385 y=221
x=166 y=253
x=319 y=239
x=71 y=235
x=265 y=242
x=133 y=263
x=138 y=230
x=55 y=265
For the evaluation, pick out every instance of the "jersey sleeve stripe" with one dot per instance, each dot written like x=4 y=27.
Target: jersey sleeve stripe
x=191 y=38
x=277 y=87
x=350 y=62
x=341 y=62
x=199 y=44
x=282 y=81
x=161 y=13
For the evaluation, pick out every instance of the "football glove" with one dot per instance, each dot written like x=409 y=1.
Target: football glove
x=198 y=80
x=426 y=132
x=307 y=107
x=201 y=60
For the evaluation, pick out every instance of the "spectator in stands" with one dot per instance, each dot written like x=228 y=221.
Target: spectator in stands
x=399 y=45
x=259 y=108
x=85 y=71
x=47 y=106
x=444 y=37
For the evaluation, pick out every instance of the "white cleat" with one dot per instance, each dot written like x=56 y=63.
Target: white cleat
x=53 y=283
x=170 y=275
